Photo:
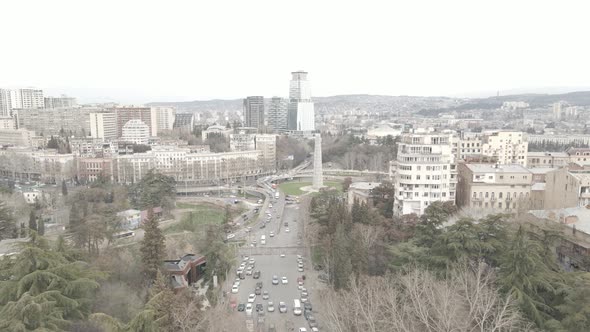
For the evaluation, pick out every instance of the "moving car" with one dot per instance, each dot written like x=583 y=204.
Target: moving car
x=241 y=307
x=275 y=280
x=249 y=309
x=287 y=230
x=256 y=275
x=284 y=280
x=234 y=289
x=312 y=322
x=259 y=307
x=282 y=255
x=270 y=307
x=271 y=234
x=251 y=298
x=307 y=306
x=258 y=291
x=265 y=295
x=302 y=329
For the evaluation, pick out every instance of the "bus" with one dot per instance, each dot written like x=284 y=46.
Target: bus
x=263 y=239
x=124 y=235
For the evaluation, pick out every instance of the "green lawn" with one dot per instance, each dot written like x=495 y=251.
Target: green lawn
x=294 y=187
x=201 y=214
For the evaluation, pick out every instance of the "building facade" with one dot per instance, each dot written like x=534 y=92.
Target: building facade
x=254 y=112
x=277 y=114
x=16 y=137
x=90 y=169
x=125 y=114
x=547 y=159
x=242 y=142
x=27 y=98
x=5 y=103
x=164 y=117
x=103 y=125
x=7 y=122
x=267 y=145
x=301 y=113
x=493 y=186
x=567 y=187
x=136 y=132
x=52 y=121
x=505 y=147
x=60 y=102
x=425 y=171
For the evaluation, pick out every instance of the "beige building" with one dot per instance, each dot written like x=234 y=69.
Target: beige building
x=16 y=137
x=361 y=192
x=547 y=159
x=51 y=121
x=7 y=122
x=103 y=125
x=567 y=187
x=164 y=117
x=267 y=145
x=505 y=147
x=489 y=186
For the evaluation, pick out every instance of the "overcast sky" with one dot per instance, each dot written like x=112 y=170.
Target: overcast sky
x=140 y=51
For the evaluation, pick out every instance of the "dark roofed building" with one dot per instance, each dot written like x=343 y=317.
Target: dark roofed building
x=185 y=271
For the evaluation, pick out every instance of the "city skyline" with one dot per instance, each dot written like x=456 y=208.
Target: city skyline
x=380 y=48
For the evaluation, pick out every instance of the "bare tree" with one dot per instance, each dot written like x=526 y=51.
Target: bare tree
x=417 y=301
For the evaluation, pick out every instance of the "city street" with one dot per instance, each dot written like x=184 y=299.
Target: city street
x=269 y=262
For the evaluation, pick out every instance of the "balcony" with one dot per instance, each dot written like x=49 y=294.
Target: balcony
x=476 y=199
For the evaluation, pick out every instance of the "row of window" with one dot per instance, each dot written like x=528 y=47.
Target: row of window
x=493 y=205
x=492 y=195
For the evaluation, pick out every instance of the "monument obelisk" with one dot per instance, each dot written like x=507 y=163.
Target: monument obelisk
x=318 y=179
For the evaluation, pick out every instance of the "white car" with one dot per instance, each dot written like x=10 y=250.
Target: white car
x=299 y=257
x=287 y=230
x=284 y=280
x=315 y=329
x=234 y=289
x=251 y=298
x=302 y=329
x=300 y=285
x=271 y=234
x=270 y=307
x=300 y=265
x=270 y=205
x=282 y=255
x=249 y=309
x=231 y=236
x=299 y=269
x=282 y=307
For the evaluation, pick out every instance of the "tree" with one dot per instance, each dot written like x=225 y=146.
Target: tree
x=346 y=184
x=227 y=218
x=342 y=267
x=383 y=197
x=41 y=227
x=154 y=190
x=33 y=221
x=64 y=188
x=153 y=247
x=7 y=222
x=44 y=290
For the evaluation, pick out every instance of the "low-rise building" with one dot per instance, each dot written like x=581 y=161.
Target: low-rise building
x=547 y=159
x=16 y=137
x=493 y=186
x=567 y=187
x=130 y=219
x=361 y=192
x=216 y=130
x=90 y=169
x=185 y=271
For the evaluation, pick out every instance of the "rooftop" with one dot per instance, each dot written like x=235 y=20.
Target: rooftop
x=541 y=170
x=495 y=168
x=548 y=154
x=581 y=223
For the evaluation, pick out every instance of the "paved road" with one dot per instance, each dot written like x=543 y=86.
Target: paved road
x=269 y=262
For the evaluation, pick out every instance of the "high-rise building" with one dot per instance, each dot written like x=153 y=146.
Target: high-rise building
x=267 y=144
x=557 y=110
x=5 y=102
x=124 y=114
x=53 y=121
x=301 y=109
x=254 y=112
x=136 y=132
x=27 y=98
x=164 y=117
x=425 y=171
x=103 y=125
x=59 y=102
x=277 y=114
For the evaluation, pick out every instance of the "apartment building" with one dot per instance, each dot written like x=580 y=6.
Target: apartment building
x=267 y=145
x=5 y=103
x=242 y=142
x=52 y=121
x=16 y=137
x=505 y=147
x=127 y=113
x=136 y=132
x=470 y=146
x=254 y=111
x=59 y=102
x=494 y=186
x=277 y=114
x=103 y=125
x=7 y=122
x=567 y=187
x=27 y=98
x=164 y=117
x=547 y=159
x=424 y=171
x=90 y=169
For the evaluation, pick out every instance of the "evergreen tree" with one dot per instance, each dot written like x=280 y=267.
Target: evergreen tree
x=64 y=188
x=342 y=267
x=153 y=247
x=7 y=222
x=33 y=221
x=41 y=227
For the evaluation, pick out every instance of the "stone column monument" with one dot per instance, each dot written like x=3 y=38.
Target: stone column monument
x=318 y=179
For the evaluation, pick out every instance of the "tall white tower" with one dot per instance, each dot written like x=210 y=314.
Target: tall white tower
x=318 y=179
x=301 y=108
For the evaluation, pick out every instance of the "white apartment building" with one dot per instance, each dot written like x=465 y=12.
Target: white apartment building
x=27 y=98
x=7 y=122
x=277 y=114
x=60 y=102
x=16 y=137
x=5 y=103
x=505 y=147
x=103 y=125
x=424 y=171
x=470 y=146
x=136 y=132
x=241 y=142
x=163 y=117
x=267 y=144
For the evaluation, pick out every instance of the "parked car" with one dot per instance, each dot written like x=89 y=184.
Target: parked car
x=241 y=307
x=259 y=307
x=265 y=295
x=307 y=306
x=251 y=298
x=256 y=275
x=249 y=309
x=258 y=291
x=312 y=322
x=282 y=307
x=234 y=289
x=259 y=284
x=275 y=280
x=284 y=280
x=270 y=307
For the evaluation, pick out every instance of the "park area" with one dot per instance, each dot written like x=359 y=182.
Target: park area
x=294 y=187
x=196 y=215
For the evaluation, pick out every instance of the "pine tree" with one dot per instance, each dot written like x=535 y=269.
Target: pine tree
x=33 y=221
x=41 y=227
x=64 y=188
x=7 y=222
x=152 y=247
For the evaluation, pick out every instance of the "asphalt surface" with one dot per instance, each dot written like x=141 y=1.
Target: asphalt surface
x=268 y=262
